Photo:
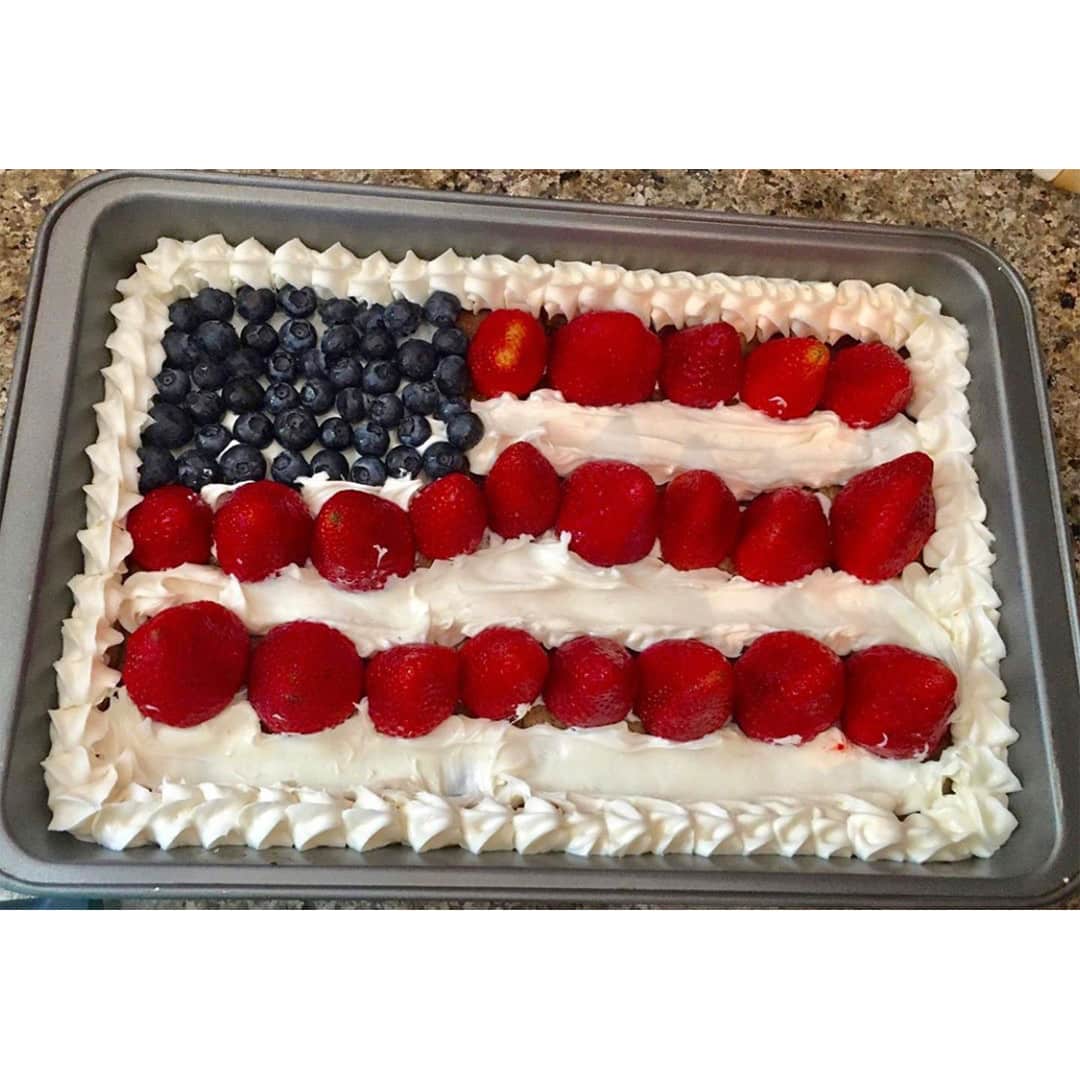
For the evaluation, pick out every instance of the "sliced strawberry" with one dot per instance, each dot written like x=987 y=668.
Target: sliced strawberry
x=785 y=377
x=522 y=492
x=699 y=520
x=605 y=358
x=171 y=526
x=361 y=541
x=448 y=517
x=783 y=536
x=412 y=689
x=867 y=385
x=260 y=528
x=591 y=682
x=501 y=669
x=702 y=366
x=685 y=690
x=508 y=354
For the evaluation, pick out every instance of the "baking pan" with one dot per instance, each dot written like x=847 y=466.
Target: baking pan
x=94 y=236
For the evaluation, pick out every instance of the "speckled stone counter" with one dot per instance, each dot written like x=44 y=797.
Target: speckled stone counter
x=1033 y=225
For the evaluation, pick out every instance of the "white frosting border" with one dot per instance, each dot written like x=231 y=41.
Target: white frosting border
x=962 y=807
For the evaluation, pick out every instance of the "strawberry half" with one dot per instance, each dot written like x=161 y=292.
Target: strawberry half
x=508 y=354
x=785 y=377
x=784 y=536
x=260 y=528
x=361 y=541
x=701 y=366
x=882 y=518
x=605 y=358
x=448 y=517
x=522 y=492
x=685 y=690
x=502 y=668
x=171 y=526
x=591 y=682
x=867 y=385
x=412 y=689
x=699 y=520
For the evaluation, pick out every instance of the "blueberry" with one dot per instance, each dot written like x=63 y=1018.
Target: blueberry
x=204 y=406
x=297 y=303
x=442 y=309
x=403 y=461
x=451 y=406
x=368 y=470
x=281 y=367
x=332 y=463
x=387 y=410
x=213 y=304
x=240 y=463
x=381 y=377
x=242 y=395
x=171 y=427
x=346 y=371
x=339 y=341
x=441 y=459
x=377 y=343
x=158 y=468
x=414 y=430
x=420 y=397
x=296 y=428
x=402 y=317
x=370 y=437
x=350 y=404
x=260 y=336
x=174 y=341
x=317 y=395
x=297 y=336
x=452 y=376
x=279 y=397
x=368 y=317
x=337 y=312
x=189 y=353
x=184 y=315
x=464 y=430
x=212 y=438
x=450 y=341
x=254 y=429
x=172 y=385
x=209 y=375
x=313 y=364
x=335 y=433
x=416 y=359
x=245 y=362
x=255 y=305
x=289 y=466
x=196 y=469
x=217 y=339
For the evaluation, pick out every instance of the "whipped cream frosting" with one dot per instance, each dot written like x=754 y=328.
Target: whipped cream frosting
x=120 y=780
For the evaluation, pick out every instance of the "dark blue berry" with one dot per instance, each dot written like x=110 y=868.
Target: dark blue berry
x=371 y=438
x=451 y=406
x=368 y=470
x=346 y=371
x=184 y=315
x=255 y=429
x=242 y=395
x=297 y=336
x=240 y=463
x=297 y=303
x=281 y=367
x=452 y=376
x=441 y=459
x=158 y=468
x=204 y=406
x=404 y=461
x=212 y=438
x=196 y=469
x=171 y=427
x=317 y=395
x=387 y=410
x=172 y=385
x=420 y=397
x=296 y=428
x=381 y=377
x=450 y=341
x=255 y=305
x=313 y=364
x=339 y=341
x=189 y=354
x=331 y=462
x=368 y=317
x=217 y=339
x=289 y=466
x=414 y=430
x=245 y=362
x=279 y=397
x=336 y=312
x=350 y=404
x=416 y=359
x=209 y=375
x=464 y=430
x=175 y=342
x=260 y=336
x=377 y=343
x=335 y=433
x=402 y=317
x=214 y=304
x=442 y=309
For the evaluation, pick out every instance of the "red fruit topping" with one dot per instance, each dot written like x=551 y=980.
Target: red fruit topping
x=786 y=377
x=699 y=520
x=591 y=683
x=867 y=385
x=361 y=541
x=881 y=519
x=186 y=664
x=685 y=690
x=605 y=358
x=501 y=668
x=702 y=366
x=611 y=511
x=784 y=536
x=788 y=686
x=305 y=676
x=169 y=527
x=260 y=528
x=412 y=689
x=898 y=701
x=448 y=517
x=508 y=354
x=522 y=492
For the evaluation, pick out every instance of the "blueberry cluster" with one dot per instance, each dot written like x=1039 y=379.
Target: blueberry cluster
x=244 y=372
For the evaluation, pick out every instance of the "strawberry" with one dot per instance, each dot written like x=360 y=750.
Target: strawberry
x=412 y=689
x=591 y=683
x=169 y=527
x=783 y=536
x=361 y=541
x=186 y=664
x=788 y=687
x=867 y=385
x=685 y=690
x=508 y=354
x=501 y=669
x=786 y=377
x=605 y=358
x=898 y=701
x=699 y=520
x=260 y=528
x=881 y=519
x=448 y=517
x=305 y=676
x=702 y=365
x=611 y=511
x=522 y=492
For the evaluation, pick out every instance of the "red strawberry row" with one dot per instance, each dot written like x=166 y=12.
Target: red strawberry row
x=304 y=677
x=610 y=358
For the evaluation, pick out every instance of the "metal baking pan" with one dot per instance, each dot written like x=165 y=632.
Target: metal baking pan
x=93 y=237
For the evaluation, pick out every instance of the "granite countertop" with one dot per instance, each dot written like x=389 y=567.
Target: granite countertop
x=1035 y=226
